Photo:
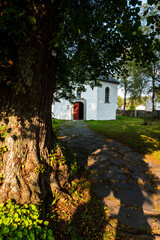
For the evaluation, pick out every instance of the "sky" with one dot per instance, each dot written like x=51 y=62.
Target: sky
x=120 y=92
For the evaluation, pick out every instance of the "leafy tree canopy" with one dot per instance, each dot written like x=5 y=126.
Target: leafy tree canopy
x=88 y=36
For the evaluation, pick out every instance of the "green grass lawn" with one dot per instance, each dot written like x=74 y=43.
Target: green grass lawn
x=144 y=139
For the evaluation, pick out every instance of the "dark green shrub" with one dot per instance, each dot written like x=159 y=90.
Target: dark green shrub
x=148 y=120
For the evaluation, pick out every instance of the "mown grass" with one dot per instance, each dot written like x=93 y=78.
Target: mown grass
x=56 y=124
x=144 y=139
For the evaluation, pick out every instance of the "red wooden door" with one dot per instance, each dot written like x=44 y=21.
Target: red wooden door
x=76 y=111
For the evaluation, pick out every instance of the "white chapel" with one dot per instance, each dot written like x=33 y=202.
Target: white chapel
x=96 y=103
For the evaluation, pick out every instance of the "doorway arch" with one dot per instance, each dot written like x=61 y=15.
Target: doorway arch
x=78 y=111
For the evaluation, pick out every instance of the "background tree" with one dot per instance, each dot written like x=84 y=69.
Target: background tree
x=141 y=75
x=132 y=105
x=135 y=102
x=141 y=80
x=153 y=73
x=120 y=101
x=44 y=42
x=125 y=84
x=133 y=80
x=150 y=13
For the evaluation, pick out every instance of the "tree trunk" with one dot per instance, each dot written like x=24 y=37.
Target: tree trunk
x=26 y=127
x=125 y=96
x=153 y=91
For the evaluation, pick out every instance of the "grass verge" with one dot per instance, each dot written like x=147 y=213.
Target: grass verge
x=144 y=139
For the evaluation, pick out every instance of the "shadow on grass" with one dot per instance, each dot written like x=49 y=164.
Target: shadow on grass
x=142 y=139
x=140 y=143
x=89 y=220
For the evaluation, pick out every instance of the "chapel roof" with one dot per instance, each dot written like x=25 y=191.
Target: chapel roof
x=109 y=79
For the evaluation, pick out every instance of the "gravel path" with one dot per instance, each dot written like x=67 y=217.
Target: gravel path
x=125 y=182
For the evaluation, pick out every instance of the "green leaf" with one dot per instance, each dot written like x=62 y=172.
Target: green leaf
x=5 y=230
x=33 y=207
x=22 y=13
x=17 y=219
x=1 y=205
x=2 y=127
x=51 y=238
x=23 y=217
x=31 y=236
x=25 y=206
x=38 y=229
x=29 y=222
x=16 y=215
x=13 y=227
x=6 y=221
x=4 y=134
x=34 y=216
x=19 y=234
x=32 y=20
x=56 y=44
x=46 y=223
x=50 y=232
x=25 y=232
x=26 y=223
x=43 y=236
x=5 y=149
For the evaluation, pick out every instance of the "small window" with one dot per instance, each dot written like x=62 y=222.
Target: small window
x=107 y=95
x=78 y=93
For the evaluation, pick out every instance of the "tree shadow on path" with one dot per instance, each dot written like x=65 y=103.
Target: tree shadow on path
x=122 y=181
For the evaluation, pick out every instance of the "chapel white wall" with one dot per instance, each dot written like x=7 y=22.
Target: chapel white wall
x=91 y=102
x=107 y=111
x=62 y=110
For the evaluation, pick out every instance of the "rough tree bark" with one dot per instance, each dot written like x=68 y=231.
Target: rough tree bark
x=26 y=173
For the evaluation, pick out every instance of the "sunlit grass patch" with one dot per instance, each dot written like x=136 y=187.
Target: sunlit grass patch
x=149 y=140
x=131 y=132
x=156 y=156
